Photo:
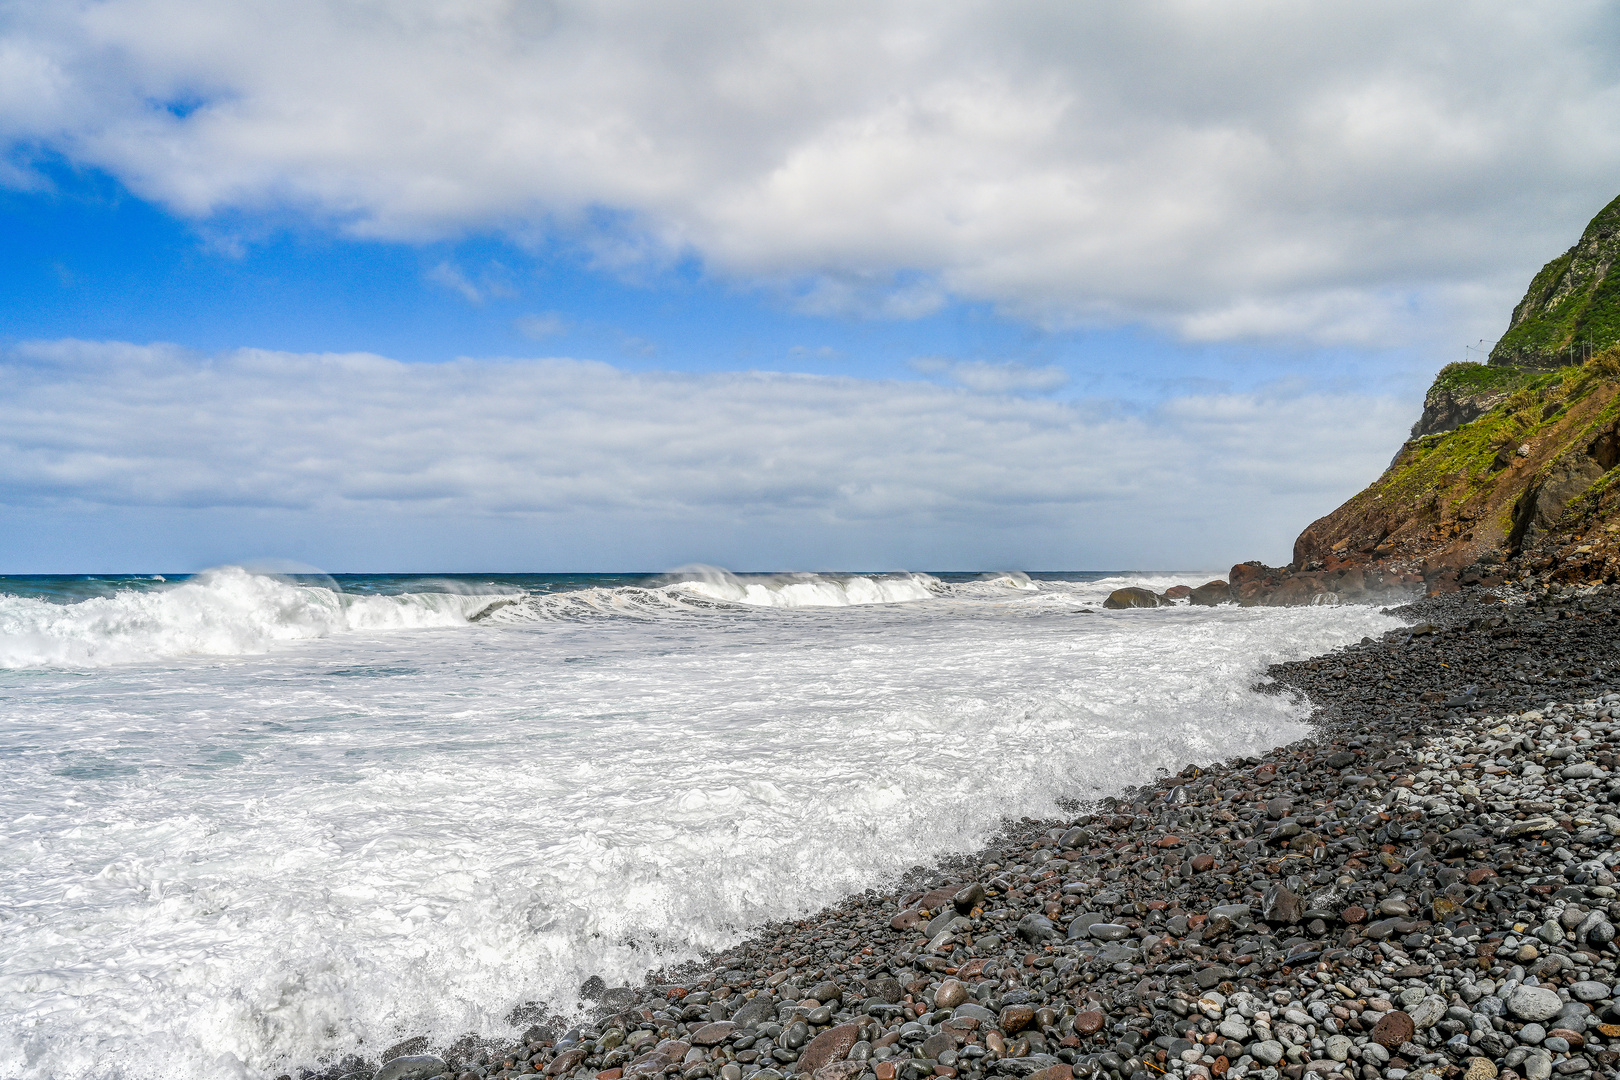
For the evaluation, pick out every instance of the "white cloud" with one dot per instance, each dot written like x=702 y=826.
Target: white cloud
x=1225 y=170
x=768 y=469
x=990 y=377
x=451 y=277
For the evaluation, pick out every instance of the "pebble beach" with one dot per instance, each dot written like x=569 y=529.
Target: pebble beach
x=1424 y=888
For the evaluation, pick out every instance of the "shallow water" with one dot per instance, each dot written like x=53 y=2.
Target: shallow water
x=250 y=823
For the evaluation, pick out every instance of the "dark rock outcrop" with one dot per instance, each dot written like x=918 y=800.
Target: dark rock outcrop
x=1132 y=598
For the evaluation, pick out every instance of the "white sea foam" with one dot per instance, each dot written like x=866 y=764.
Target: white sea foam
x=227 y=611
x=231 y=865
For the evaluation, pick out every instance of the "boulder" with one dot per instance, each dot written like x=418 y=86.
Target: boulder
x=1132 y=598
x=1178 y=592
x=1539 y=508
x=1211 y=593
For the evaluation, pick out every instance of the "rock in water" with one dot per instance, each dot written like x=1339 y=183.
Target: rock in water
x=1131 y=598
x=1211 y=593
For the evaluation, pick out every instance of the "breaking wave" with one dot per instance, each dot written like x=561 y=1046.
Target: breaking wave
x=233 y=611
x=227 y=611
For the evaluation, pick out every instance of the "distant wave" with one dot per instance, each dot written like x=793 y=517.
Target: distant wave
x=227 y=611
x=698 y=589
x=233 y=611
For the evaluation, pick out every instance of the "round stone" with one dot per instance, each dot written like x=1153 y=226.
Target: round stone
x=1533 y=1003
x=1393 y=1029
x=1089 y=1022
x=1268 y=1052
x=950 y=994
x=1480 y=1069
x=1015 y=1018
x=1589 y=990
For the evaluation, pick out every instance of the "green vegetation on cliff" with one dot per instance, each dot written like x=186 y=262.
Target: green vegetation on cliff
x=1531 y=443
x=1572 y=304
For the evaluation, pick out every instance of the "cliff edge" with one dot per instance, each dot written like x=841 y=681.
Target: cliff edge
x=1510 y=473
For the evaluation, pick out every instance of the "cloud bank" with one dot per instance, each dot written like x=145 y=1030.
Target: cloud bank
x=1249 y=169
x=536 y=464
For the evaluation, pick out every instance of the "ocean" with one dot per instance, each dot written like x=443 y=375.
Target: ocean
x=251 y=822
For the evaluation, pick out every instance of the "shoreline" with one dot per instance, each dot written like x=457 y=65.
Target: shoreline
x=1265 y=917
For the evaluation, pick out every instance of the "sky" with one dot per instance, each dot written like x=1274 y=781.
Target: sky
x=528 y=285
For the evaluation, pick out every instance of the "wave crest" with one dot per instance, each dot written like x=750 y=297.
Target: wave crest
x=226 y=611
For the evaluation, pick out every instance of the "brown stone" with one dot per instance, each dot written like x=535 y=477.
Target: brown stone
x=1575 y=1038
x=565 y=1062
x=1131 y=597
x=1055 y=1072
x=1167 y=842
x=909 y=919
x=1176 y=592
x=1015 y=1018
x=712 y=1034
x=973 y=969
x=831 y=1045
x=1211 y=593
x=1354 y=914
x=610 y=1074
x=1203 y=863
x=886 y=1070
x=1479 y=874
x=950 y=994
x=839 y=1070
x=1393 y=1029
x=938 y=898
x=1089 y=1022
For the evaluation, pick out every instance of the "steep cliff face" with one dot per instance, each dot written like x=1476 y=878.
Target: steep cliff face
x=1572 y=308
x=1511 y=488
x=1512 y=472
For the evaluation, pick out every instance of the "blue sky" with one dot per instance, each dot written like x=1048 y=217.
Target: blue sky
x=92 y=261
x=1070 y=286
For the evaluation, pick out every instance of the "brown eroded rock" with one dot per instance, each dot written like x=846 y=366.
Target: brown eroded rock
x=909 y=919
x=950 y=994
x=713 y=1034
x=839 y=1070
x=1393 y=1029
x=1015 y=1018
x=1131 y=597
x=831 y=1045
x=1055 y=1072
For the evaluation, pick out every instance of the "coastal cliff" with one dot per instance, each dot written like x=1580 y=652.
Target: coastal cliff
x=1572 y=308
x=1509 y=474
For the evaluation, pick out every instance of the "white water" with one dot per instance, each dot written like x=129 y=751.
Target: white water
x=244 y=828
